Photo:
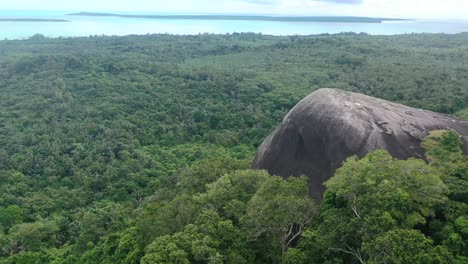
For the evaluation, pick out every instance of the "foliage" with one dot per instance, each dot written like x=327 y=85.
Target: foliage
x=281 y=208
x=463 y=113
x=136 y=149
x=405 y=246
x=368 y=197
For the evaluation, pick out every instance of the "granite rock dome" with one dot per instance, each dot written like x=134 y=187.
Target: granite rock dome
x=330 y=125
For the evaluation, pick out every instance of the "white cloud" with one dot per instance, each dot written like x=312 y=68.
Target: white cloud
x=374 y=8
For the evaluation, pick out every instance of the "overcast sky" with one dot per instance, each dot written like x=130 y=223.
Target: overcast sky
x=375 y=8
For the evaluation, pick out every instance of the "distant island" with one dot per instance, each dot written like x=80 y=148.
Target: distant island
x=31 y=20
x=337 y=19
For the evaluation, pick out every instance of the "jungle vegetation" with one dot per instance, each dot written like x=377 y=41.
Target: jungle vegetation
x=137 y=149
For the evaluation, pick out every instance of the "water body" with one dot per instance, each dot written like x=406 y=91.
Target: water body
x=119 y=26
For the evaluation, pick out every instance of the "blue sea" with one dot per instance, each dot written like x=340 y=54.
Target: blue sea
x=86 y=26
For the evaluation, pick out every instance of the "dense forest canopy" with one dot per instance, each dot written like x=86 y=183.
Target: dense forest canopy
x=136 y=150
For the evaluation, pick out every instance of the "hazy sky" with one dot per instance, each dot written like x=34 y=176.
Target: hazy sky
x=387 y=8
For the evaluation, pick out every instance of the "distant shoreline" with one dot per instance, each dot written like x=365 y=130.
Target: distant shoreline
x=335 y=19
x=31 y=20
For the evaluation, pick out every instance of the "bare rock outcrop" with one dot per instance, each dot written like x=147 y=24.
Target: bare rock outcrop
x=330 y=125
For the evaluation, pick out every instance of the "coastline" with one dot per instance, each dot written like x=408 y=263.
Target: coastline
x=324 y=19
x=33 y=20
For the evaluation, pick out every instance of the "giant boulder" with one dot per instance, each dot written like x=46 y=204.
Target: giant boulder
x=330 y=125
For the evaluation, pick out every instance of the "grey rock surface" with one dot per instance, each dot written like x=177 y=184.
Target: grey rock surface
x=330 y=125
